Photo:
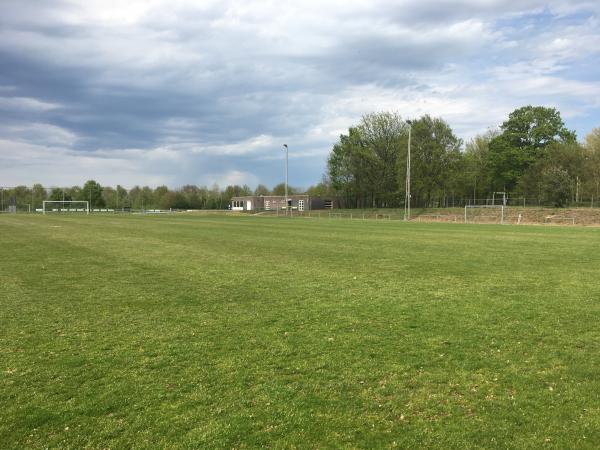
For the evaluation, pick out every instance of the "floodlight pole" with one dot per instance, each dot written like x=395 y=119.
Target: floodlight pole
x=286 y=179
x=407 y=198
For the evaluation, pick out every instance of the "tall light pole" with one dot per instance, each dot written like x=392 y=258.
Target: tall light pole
x=286 y=179
x=407 y=198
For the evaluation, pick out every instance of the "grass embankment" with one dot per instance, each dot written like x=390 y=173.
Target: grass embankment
x=531 y=215
x=206 y=332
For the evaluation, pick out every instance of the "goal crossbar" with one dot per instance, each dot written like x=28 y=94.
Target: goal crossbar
x=63 y=202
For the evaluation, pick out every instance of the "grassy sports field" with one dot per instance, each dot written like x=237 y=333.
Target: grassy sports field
x=240 y=332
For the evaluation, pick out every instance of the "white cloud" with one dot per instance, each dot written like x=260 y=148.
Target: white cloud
x=233 y=177
x=252 y=145
x=39 y=133
x=26 y=163
x=26 y=104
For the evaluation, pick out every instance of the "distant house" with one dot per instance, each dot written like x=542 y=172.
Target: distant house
x=296 y=202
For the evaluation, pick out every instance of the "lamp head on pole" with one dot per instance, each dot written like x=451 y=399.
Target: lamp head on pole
x=285 y=145
x=409 y=122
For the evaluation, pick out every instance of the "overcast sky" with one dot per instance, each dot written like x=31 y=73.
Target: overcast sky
x=176 y=92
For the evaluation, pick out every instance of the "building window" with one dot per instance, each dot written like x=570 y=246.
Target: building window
x=300 y=205
x=268 y=205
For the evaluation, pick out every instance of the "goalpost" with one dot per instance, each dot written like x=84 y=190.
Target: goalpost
x=500 y=207
x=62 y=206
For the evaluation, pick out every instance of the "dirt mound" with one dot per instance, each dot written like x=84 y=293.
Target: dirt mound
x=514 y=215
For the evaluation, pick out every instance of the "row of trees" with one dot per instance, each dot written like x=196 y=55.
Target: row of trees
x=532 y=155
x=187 y=197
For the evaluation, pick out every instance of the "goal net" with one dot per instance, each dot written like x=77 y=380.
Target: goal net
x=63 y=206
x=485 y=213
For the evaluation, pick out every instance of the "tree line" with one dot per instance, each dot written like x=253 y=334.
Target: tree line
x=138 y=197
x=531 y=155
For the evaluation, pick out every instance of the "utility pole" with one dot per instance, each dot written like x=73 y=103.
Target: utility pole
x=286 y=179
x=407 y=198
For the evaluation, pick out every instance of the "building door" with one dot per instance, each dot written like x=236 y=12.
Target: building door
x=248 y=205
x=300 y=205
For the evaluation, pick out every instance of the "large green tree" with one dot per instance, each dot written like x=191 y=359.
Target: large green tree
x=555 y=186
x=475 y=175
x=565 y=160
x=362 y=165
x=348 y=171
x=157 y=197
x=368 y=165
x=38 y=196
x=173 y=200
x=122 y=199
x=279 y=189
x=524 y=138
x=435 y=158
x=59 y=194
x=142 y=198
x=261 y=189
x=92 y=192
x=383 y=137
x=592 y=164
x=193 y=196
x=21 y=196
x=109 y=196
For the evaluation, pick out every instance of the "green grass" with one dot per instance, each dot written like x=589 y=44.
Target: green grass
x=242 y=332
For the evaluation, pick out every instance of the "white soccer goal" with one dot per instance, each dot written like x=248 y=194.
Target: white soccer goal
x=559 y=219
x=60 y=206
x=486 y=216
